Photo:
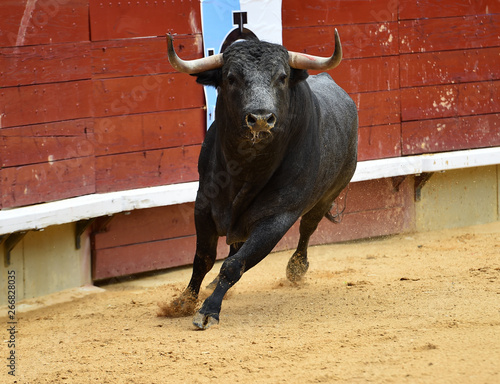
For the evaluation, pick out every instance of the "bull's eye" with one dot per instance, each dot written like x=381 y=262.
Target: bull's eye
x=231 y=79
x=282 y=78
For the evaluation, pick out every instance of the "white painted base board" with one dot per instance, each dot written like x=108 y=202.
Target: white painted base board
x=85 y=207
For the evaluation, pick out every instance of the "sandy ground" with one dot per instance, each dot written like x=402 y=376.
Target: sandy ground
x=418 y=308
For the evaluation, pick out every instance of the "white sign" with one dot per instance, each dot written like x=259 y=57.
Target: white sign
x=225 y=21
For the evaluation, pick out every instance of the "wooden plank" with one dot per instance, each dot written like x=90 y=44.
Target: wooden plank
x=46 y=142
x=358 y=40
x=425 y=35
x=298 y=13
x=429 y=102
x=449 y=67
x=114 y=19
x=416 y=9
x=373 y=195
x=132 y=133
x=367 y=75
x=45 y=103
x=26 y=22
x=450 y=100
x=479 y=98
x=146 y=225
x=49 y=181
x=364 y=225
x=156 y=255
x=44 y=64
x=378 y=142
x=146 y=169
x=450 y=134
x=134 y=57
x=374 y=209
x=377 y=108
x=141 y=94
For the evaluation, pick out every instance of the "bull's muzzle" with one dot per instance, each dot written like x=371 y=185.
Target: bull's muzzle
x=260 y=122
x=260 y=125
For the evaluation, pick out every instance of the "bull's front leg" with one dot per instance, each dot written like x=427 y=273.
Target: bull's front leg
x=260 y=243
x=206 y=252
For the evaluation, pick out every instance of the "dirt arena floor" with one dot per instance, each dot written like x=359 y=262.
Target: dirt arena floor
x=413 y=308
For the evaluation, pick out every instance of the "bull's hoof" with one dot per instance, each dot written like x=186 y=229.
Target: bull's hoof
x=203 y=321
x=296 y=268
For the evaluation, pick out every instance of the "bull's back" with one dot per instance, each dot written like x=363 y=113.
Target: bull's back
x=337 y=129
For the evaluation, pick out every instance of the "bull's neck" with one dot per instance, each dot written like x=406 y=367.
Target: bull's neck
x=252 y=161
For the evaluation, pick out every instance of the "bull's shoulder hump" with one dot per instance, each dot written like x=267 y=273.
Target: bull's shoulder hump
x=325 y=88
x=321 y=80
x=322 y=77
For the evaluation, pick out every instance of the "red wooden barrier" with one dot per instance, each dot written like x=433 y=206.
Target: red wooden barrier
x=365 y=40
x=416 y=9
x=378 y=142
x=142 y=132
x=89 y=102
x=450 y=33
x=47 y=142
x=454 y=133
x=146 y=169
x=135 y=57
x=377 y=108
x=48 y=181
x=40 y=64
x=297 y=13
x=449 y=67
x=164 y=237
x=140 y=94
x=450 y=100
x=112 y=19
x=57 y=76
x=26 y=23
x=45 y=103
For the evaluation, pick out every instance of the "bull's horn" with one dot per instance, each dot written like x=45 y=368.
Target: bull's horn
x=303 y=61
x=192 y=66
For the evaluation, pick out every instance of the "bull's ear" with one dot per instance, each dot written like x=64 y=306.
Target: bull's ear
x=297 y=75
x=212 y=78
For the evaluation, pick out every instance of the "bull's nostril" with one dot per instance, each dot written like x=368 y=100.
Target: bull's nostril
x=260 y=121
x=271 y=120
x=251 y=119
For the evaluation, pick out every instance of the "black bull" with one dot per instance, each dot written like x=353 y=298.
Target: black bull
x=282 y=147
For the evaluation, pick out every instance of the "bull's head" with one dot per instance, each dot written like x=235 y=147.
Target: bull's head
x=254 y=81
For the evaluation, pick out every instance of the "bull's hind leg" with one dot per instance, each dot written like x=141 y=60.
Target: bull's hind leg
x=298 y=263
x=204 y=259
x=233 y=248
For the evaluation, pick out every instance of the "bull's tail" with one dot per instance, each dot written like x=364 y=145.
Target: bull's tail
x=336 y=216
